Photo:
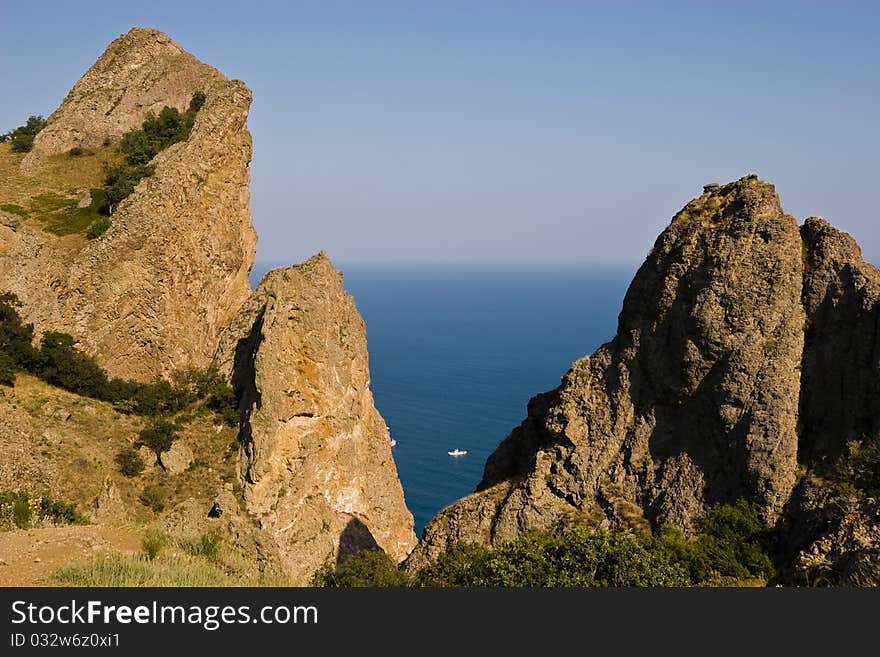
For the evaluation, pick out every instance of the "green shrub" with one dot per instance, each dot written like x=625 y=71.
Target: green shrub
x=156 y=397
x=119 y=182
x=22 y=137
x=77 y=151
x=125 y=406
x=461 y=564
x=194 y=384
x=154 y=497
x=210 y=542
x=16 y=338
x=60 y=363
x=153 y=542
x=98 y=227
x=196 y=102
x=207 y=545
x=159 y=435
x=20 y=510
x=140 y=146
x=60 y=512
x=7 y=369
x=732 y=546
x=578 y=557
x=732 y=543
x=129 y=461
x=371 y=568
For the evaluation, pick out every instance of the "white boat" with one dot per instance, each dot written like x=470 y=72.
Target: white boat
x=393 y=442
x=457 y=452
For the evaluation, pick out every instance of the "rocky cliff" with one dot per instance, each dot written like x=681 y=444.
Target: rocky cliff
x=746 y=356
x=316 y=464
x=153 y=293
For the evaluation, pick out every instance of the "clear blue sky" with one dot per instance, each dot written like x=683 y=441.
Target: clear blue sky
x=506 y=131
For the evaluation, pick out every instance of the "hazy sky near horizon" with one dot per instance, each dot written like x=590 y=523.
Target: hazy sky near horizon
x=505 y=131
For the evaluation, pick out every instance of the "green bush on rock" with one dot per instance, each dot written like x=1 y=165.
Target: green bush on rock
x=368 y=568
x=60 y=362
x=159 y=435
x=22 y=137
x=732 y=546
x=140 y=146
x=129 y=461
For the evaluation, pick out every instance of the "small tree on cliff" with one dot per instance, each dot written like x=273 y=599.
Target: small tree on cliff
x=159 y=435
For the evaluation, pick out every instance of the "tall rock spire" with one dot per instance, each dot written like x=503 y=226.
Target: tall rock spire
x=152 y=293
x=316 y=466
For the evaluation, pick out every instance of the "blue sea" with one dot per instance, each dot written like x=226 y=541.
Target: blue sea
x=456 y=352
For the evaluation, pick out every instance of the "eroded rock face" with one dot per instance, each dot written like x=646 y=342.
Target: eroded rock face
x=746 y=365
x=316 y=464
x=108 y=506
x=694 y=402
x=831 y=538
x=840 y=383
x=141 y=71
x=177 y=459
x=153 y=293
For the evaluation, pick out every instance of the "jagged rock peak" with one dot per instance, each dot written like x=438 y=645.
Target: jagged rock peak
x=152 y=293
x=142 y=71
x=316 y=465
x=695 y=401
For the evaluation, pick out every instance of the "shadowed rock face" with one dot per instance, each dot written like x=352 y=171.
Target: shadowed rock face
x=153 y=293
x=840 y=382
x=830 y=539
x=315 y=464
x=697 y=399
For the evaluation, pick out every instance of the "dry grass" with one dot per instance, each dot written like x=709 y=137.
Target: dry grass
x=168 y=560
x=79 y=450
x=173 y=569
x=61 y=174
x=50 y=195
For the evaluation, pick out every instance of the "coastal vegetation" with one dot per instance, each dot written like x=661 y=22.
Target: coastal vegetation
x=731 y=547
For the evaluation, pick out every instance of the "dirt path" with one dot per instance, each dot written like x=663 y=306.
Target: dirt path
x=28 y=556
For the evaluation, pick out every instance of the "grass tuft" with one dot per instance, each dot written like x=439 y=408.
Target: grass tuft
x=174 y=569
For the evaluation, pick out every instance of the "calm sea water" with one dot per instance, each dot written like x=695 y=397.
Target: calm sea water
x=457 y=352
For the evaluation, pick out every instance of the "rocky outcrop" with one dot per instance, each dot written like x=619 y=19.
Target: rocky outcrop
x=108 y=506
x=743 y=342
x=840 y=379
x=830 y=539
x=153 y=293
x=177 y=459
x=141 y=71
x=316 y=464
